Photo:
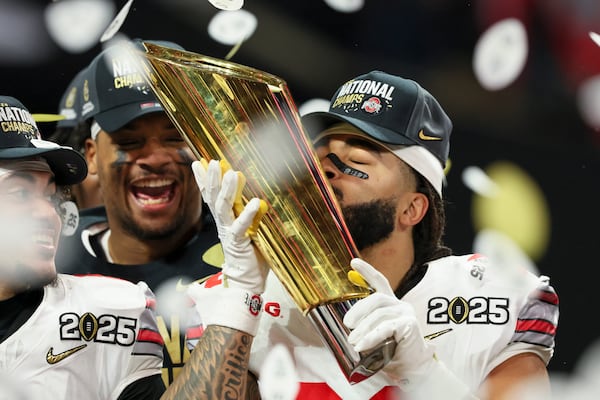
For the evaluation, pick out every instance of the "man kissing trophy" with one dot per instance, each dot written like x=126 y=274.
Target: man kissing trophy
x=247 y=117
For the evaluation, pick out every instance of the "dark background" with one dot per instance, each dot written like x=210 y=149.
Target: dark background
x=534 y=123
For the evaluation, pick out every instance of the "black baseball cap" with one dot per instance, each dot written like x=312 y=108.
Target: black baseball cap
x=115 y=90
x=390 y=109
x=20 y=138
x=70 y=102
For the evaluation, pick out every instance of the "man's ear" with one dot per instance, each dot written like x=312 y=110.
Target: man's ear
x=90 y=152
x=415 y=208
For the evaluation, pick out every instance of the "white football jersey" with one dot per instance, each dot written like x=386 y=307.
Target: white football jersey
x=88 y=339
x=476 y=315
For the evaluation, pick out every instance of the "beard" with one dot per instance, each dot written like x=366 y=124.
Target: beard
x=370 y=223
x=163 y=232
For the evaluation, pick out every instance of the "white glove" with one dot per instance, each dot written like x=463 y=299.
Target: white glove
x=381 y=316
x=235 y=300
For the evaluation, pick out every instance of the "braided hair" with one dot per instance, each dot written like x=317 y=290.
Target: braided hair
x=427 y=236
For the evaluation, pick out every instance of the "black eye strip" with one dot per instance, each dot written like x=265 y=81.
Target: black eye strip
x=346 y=169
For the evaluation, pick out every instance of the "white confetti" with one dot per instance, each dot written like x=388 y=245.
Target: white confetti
x=595 y=37
x=76 y=26
x=345 y=6
x=588 y=101
x=232 y=27
x=500 y=54
x=479 y=182
x=227 y=5
x=116 y=23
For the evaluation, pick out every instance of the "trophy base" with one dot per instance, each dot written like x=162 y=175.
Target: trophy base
x=328 y=319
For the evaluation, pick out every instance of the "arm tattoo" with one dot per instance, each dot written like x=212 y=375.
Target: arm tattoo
x=217 y=368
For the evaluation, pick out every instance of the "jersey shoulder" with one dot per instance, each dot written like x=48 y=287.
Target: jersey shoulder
x=478 y=272
x=110 y=293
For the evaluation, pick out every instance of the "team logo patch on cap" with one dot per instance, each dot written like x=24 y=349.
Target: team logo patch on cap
x=70 y=100
x=87 y=106
x=372 y=105
x=68 y=110
x=369 y=96
x=86 y=90
x=16 y=120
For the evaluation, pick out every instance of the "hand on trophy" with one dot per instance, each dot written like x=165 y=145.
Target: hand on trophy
x=414 y=366
x=382 y=315
x=238 y=288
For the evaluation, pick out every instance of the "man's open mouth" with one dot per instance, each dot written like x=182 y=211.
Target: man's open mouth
x=153 y=191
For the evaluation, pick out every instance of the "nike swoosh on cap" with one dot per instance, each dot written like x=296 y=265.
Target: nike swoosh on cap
x=423 y=136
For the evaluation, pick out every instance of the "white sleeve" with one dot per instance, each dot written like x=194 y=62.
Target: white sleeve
x=146 y=354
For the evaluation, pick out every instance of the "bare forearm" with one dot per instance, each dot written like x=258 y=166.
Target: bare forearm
x=217 y=368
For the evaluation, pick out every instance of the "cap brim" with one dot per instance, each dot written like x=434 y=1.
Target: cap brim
x=316 y=122
x=69 y=167
x=116 y=118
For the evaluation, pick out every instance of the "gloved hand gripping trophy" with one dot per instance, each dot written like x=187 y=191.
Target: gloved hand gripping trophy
x=381 y=315
x=239 y=287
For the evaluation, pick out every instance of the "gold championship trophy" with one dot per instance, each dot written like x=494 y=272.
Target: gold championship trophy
x=227 y=111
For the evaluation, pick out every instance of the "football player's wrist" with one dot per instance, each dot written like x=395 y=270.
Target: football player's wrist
x=253 y=283
x=231 y=307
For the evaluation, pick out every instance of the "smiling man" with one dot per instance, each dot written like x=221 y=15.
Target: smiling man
x=152 y=226
x=61 y=337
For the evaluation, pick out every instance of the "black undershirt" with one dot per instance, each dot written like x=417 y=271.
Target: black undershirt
x=15 y=311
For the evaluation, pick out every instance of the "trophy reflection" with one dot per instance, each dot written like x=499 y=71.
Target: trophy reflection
x=247 y=117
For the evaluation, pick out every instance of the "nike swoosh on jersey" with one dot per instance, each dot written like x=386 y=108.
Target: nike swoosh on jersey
x=55 y=358
x=423 y=136
x=437 y=334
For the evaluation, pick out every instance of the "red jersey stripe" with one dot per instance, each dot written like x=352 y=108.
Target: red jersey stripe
x=321 y=391
x=146 y=335
x=535 y=325
x=548 y=297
